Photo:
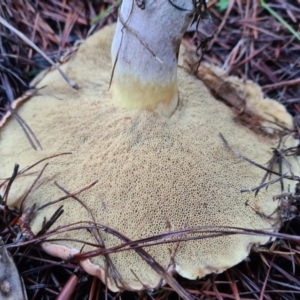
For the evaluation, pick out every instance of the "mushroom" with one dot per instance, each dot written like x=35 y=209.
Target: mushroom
x=152 y=144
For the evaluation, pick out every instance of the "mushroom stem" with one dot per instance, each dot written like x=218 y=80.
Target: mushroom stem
x=144 y=53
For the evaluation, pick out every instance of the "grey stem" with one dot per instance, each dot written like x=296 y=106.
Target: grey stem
x=144 y=53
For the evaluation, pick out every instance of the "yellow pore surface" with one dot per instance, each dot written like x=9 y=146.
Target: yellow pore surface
x=155 y=174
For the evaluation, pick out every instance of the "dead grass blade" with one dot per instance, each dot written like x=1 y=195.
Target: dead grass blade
x=37 y=49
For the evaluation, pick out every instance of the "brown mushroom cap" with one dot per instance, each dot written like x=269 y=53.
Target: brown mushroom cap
x=155 y=174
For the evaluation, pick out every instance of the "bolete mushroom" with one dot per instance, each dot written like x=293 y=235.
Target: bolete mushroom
x=153 y=144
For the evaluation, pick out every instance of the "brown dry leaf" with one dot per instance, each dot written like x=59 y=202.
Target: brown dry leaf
x=245 y=97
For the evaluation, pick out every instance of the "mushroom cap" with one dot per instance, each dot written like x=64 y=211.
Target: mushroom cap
x=155 y=174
